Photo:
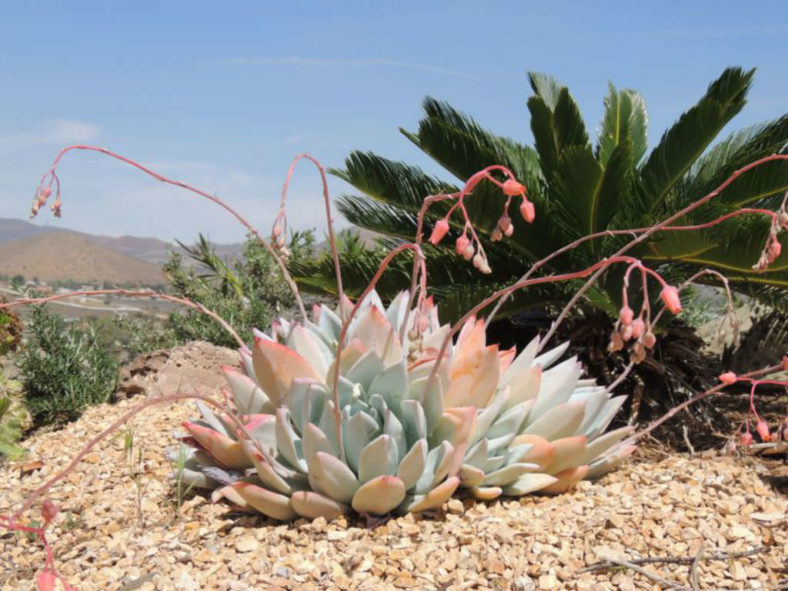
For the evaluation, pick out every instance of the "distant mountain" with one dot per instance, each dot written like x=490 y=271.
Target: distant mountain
x=151 y=250
x=69 y=256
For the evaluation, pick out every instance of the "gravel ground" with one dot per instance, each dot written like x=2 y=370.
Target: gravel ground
x=674 y=507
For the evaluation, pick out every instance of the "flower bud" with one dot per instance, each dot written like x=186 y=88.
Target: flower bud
x=763 y=430
x=277 y=231
x=784 y=363
x=728 y=378
x=48 y=510
x=485 y=268
x=616 y=342
x=478 y=261
x=509 y=229
x=439 y=231
x=626 y=332
x=775 y=248
x=745 y=439
x=649 y=340
x=468 y=254
x=625 y=315
x=511 y=187
x=671 y=299
x=462 y=244
x=527 y=211
x=638 y=328
x=637 y=354
x=423 y=323
x=496 y=235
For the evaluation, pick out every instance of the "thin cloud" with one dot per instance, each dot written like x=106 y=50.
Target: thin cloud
x=324 y=62
x=58 y=131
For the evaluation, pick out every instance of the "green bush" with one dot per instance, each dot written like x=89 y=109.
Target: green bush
x=248 y=292
x=64 y=368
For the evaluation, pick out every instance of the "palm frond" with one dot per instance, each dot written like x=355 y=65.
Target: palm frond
x=625 y=118
x=688 y=138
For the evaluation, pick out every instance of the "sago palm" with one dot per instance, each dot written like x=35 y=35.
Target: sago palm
x=578 y=188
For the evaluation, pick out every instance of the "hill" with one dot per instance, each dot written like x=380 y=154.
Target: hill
x=70 y=256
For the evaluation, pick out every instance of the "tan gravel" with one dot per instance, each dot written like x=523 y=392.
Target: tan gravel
x=664 y=508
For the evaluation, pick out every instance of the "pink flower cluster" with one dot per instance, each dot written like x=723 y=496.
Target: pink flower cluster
x=639 y=330
x=745 y=437
x=468 y=245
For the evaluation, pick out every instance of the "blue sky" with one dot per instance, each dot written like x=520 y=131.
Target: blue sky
x=223 y=94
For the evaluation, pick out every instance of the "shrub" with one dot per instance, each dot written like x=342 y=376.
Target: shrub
x=64 y=368
x=246 y=292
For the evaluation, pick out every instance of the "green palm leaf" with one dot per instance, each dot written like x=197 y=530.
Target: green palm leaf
x=689 y=137
x=625 y=118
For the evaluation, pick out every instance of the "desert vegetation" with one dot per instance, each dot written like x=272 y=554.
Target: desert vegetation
x=380 y=404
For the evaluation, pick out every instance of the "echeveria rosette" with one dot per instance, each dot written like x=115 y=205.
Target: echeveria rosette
x=493 y=422
x=539 y=426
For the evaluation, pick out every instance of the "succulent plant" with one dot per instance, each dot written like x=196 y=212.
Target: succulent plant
x=406 y=434
x=14 y=418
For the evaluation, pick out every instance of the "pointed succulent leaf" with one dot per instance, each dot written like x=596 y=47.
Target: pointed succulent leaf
x=546 y=359
x=267 y=474
x=288 y=442
x=471 y=476
x=488 y=414
x=515 y=452
x=509 y=423
x=560 y=421
x=312 y=349
x=276 y=366
x=569 y=451
x=412 y=465
x=414 y=421
x=526 y=389
x=606 y=463
x=541 y=451
x=565 y=480
x=429 y=394
x=210 y=419
x=247 y=395
x=529 y=483
x=262 y=429
x=474 y=376
x=508 y=474
x=357 y=432
x=265 y=501
x=314 y=441
x=557 y=386
x=333 y=478
x=305 y=400
x=379 y=457
x=436 y=463
x=228 y=452
x=493 y=463
x=375 y=331
x=366 y=369
x=431 y=500
x=477 y=454
x=379 y=496
x=392 y=384
x=312 y=505
x=521 y=364
x=393 y=427
x=328 y=426
x=487 y=493
x=605 y=416
x=595 y=399
x=603 y=443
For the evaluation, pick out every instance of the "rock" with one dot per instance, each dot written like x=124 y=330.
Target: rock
x=192 y=367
